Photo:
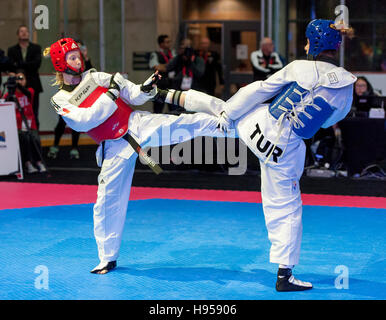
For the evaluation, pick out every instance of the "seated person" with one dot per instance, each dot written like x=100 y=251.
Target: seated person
x=365 y=97
x=29 y=139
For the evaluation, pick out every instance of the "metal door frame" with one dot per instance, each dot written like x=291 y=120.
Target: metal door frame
x=227 y=27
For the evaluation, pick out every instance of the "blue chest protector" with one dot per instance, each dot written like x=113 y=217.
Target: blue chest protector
x=306 y=119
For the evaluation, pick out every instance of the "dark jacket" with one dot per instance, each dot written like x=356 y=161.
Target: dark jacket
x=207 y=83
x=4 y=64
x=31 y=64
x=164 y=58
x=195 y=69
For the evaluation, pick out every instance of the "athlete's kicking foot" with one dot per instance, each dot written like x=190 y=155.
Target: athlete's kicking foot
x=104 y=267
x=287 y=282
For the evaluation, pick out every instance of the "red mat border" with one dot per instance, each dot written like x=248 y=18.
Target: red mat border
x=16 y=195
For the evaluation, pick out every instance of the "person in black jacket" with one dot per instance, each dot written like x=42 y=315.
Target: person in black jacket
x=188 y=67
x=4 y=65
x=207 y=83
x=28 y=56
x=158 y=62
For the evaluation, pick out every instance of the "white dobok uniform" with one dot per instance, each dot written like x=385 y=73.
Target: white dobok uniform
x=88 y=109
x=277 y=140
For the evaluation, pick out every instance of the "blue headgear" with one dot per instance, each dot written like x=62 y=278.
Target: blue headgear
x=322 y=36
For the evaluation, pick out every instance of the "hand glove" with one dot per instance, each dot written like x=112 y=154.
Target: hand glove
x=117 y=83
x=224 y=123
x=150 y=85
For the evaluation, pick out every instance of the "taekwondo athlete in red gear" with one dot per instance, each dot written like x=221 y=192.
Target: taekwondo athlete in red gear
x=308 y=94
x=99 y=104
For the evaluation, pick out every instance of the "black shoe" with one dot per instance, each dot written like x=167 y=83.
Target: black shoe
x=104 y=268
x=287 y=282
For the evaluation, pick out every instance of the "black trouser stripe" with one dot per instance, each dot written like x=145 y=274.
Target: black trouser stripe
x=176 y=97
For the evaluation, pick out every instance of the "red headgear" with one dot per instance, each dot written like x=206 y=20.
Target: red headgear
x=58 y=52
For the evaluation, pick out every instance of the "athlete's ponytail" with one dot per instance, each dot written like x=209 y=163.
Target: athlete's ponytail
x=58 y=81
x=348 y=32
x=46 y=52
x=343 y=29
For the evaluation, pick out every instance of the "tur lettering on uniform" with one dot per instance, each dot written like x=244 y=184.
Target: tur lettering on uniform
x=265 y=146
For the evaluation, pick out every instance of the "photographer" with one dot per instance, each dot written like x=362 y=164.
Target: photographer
x=188 y=67
x=28 y=56
x=29 y=139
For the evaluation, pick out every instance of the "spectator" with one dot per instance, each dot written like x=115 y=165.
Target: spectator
x=4 y=65
x=362 y=87
x=265 y=61
x=28 y=56
x=59 y=131
x=159 y=61
x=84 y=51
x=188 y=67
x=61 y=125
x=29 y=139
x=363 y=91
x=207 y=83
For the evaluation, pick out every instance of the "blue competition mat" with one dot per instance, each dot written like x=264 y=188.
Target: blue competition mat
x=179 y=249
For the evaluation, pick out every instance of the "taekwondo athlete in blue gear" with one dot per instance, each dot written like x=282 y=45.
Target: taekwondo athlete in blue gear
x=308 y=94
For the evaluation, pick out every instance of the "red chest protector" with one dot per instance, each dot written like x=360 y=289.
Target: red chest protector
x=116 y=125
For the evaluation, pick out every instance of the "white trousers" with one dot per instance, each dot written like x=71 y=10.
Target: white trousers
x=115 y=178
x=280 y=174
x=282 y=206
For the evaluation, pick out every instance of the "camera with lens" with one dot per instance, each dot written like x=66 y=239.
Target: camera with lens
x=11 y=84
x=188 y=52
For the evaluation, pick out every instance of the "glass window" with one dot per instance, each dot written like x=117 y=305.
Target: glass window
x=243 y=43
x=364 y=52
x=80 y=21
